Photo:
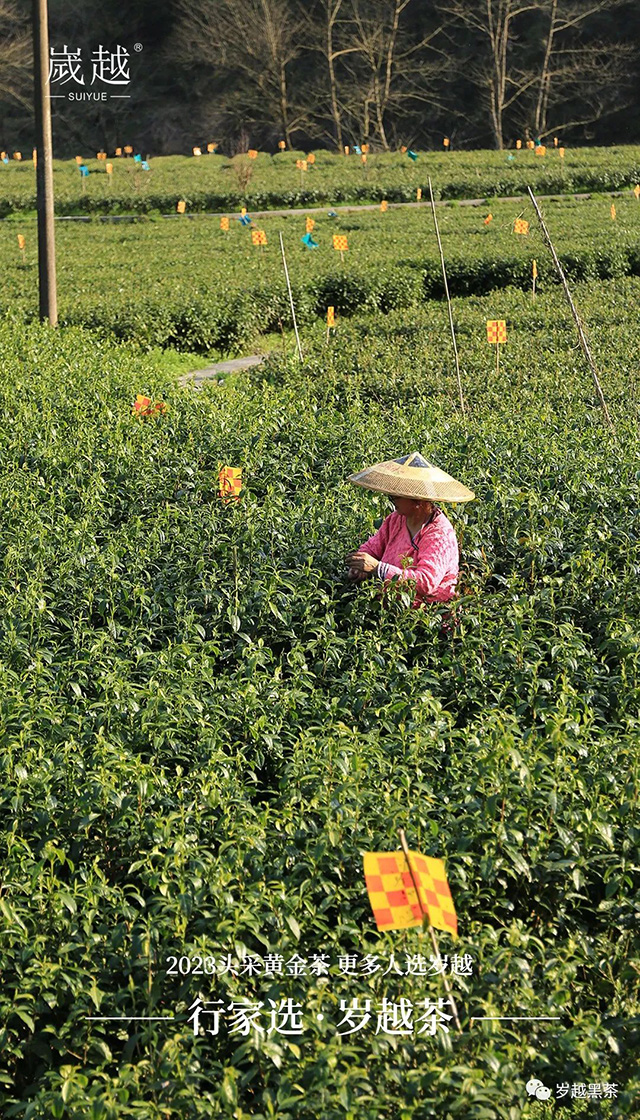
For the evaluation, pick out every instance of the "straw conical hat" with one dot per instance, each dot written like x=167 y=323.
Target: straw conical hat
x=412 y=477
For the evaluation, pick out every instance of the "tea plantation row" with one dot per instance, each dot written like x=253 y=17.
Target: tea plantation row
x=204 y=727
x=130 y=282
x=215 y=183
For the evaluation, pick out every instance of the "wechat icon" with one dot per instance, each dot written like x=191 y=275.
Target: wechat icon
x=535 y=1088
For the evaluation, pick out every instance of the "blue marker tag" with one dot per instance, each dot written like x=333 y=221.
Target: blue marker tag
x=309 y=242
x=333 y=214
x=5 y=160
x=137 y=159
x=145 y=166
x=244 y=220
x=357 y=150
x=84 y=171
x=412 y=155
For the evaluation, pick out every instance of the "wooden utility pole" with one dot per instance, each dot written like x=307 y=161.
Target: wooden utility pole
x=44 y=165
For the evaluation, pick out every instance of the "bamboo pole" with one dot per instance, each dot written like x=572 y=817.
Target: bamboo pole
x=293 y=310
x=434 y=942
x=581 y=334
x=446 y=291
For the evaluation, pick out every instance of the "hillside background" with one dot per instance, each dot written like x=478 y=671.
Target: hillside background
x=324 y=73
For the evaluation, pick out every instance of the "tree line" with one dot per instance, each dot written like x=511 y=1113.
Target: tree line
x=327 y=73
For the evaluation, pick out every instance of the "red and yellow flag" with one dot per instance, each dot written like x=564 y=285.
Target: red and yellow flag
x=392 y=894
x=520 y=226
x=331 y=316
x=230 y=480
x=496 y=330
x=258 y=237
x=181 y=206
x=383 y=205
x=613 y=212
x=224 y=223
x=309 y=224
x=144 y=406
x=252 y=153
x=340 y=242
x=489 y=218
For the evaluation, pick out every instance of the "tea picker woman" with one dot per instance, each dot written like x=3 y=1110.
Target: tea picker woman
x=417 y=541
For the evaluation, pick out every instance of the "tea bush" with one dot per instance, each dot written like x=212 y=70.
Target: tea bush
x=204 y=726
x=129 y=283
x=215 y=183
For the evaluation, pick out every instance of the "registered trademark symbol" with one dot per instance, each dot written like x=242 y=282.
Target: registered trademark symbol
x=137 y=46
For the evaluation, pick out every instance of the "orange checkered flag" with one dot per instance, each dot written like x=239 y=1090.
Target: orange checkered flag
x=488 y=219
x=340 y=242
x=258 y=237
x=309 y=224
x=406 y=887
x=230 y=480
x=496 y=331
x=224 y=223
x=331 y=316
x=520 y=226
x=252 y=153
x=390 y=879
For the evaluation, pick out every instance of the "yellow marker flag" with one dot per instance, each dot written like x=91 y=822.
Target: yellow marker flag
x=331 y=317
x=383 y=206
x=561 y=153
x=34 y=157
x=109 y=168
x=311 y=158
x=496 y=331
x=181 y=206
x=365 y=149
x=243 y=212
x=17 y=156
x=489 y=218
x=403 y=148
x=340 y=242
x=128 y=149
x=79 y=160
x=118 y=151
x=392 y=894
x=258 y=237
x=363 y=157
x=196 y=151
x=309 y=224
x=346 y=149
x=518 y=144
x=301 y=164
x=20 y=241
x=230 y=483
x=418 y=194
x=282 y=145
x=541 y=150
x=252 y=153
x=555 y=141
x=101 y=155
x=534 y=270
x=224 y=223
x=520 y=226
x=613 y=212
x=446 y=142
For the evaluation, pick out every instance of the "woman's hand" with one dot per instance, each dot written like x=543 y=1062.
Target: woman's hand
x=361 y=565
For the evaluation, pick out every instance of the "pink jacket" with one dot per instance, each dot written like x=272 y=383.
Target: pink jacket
x=431 y=558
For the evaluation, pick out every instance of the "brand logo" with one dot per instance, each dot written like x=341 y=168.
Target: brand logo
x=109 y=68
